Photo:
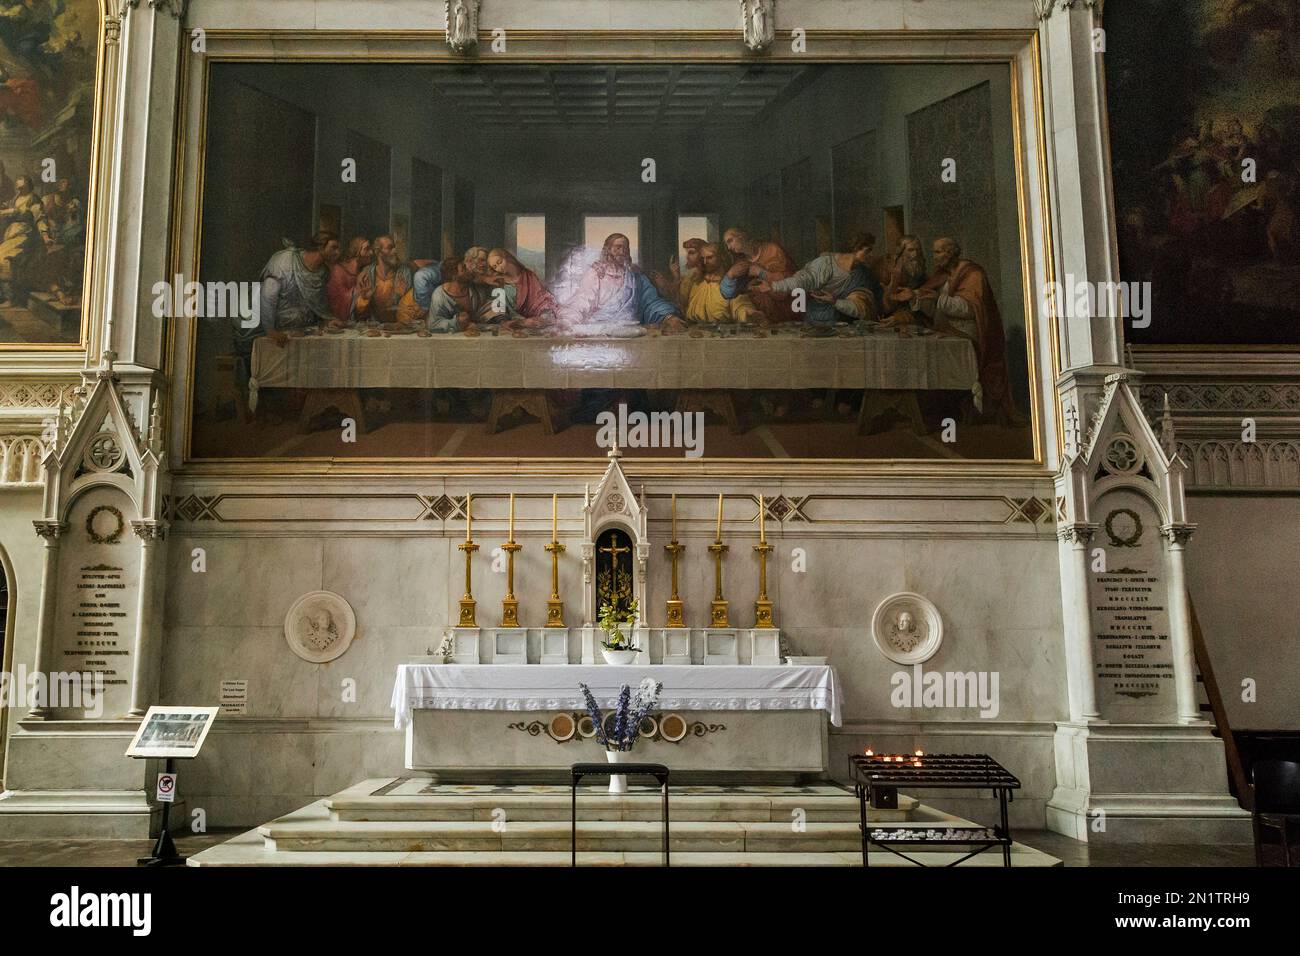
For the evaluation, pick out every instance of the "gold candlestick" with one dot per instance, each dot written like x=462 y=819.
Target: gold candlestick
x=509 y=606
x=554 y=606
x=675 y=607
x=467 y=603
x=718 y=607
x=762 y=607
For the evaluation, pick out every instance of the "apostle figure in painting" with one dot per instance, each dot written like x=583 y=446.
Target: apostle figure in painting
x=959 y=298
x=293 y=288
x=839 y=285
x=528 y=301
x=381 y=285
x=768 y=262
x=26 y=229
x=414 y=307
x=343 y=277
x=718 y=295
x=907 y=274
x=614 y=294
x=456 y=303
x=676 y=286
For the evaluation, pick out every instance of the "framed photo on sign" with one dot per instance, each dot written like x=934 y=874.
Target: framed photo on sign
x=174 y=731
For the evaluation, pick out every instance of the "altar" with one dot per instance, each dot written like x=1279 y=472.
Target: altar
x=721 y=719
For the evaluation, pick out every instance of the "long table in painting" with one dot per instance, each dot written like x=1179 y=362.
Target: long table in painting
x=718 y=719
x=885 y=361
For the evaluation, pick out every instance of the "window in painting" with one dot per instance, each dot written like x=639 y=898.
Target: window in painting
x=596 y=229
x=526 y=237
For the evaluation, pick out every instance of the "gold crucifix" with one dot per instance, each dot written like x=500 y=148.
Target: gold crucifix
x=614 y=551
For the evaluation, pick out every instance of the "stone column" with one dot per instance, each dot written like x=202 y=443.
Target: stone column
x=147 y=645
x=1083 y=689
x=588 y=587
x=1180 y=623
x=50 y=532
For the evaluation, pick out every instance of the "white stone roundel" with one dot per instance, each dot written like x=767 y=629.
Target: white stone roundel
x=320 y=626
x=907 y=628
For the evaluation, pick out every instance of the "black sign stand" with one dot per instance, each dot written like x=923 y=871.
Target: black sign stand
x=164 y=850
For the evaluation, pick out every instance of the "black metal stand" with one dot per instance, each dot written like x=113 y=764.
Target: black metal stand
x=580 y=770
x=877 y=783
x=164 y=849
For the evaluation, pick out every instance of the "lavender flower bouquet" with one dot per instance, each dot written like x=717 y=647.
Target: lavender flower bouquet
x=628 y=713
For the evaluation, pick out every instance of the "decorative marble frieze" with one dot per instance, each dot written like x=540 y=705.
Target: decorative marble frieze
x=1211 y=418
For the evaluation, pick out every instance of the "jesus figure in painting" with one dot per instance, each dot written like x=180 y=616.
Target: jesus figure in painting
x=614 y=295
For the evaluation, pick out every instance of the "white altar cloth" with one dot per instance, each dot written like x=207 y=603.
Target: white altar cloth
x=884 y=360
x=525 y=687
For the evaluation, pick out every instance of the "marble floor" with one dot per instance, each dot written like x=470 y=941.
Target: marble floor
x=97 y=853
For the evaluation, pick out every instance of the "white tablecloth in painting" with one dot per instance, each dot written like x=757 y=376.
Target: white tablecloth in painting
x=531 y=687
x=884 y=360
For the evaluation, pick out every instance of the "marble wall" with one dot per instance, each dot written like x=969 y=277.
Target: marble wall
x=304 y=735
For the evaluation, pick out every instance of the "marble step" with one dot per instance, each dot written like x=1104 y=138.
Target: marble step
x=685 y=807
x=535 y=836
x=248 y=849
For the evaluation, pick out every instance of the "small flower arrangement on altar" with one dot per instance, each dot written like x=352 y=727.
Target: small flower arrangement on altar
x=445 y=649
x=617 y=646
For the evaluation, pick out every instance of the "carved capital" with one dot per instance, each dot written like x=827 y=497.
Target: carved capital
x=1177 y=534
x=177 y=8
x=1045 y=8
x=1078 y=533
x=150 y=530
x=50 y=530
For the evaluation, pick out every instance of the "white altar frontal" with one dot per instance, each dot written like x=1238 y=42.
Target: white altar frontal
x=712 y=718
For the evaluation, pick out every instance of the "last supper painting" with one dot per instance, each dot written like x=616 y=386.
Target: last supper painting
x=810 y=261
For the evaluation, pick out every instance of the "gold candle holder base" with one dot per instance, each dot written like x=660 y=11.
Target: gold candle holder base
x=555 y=614
x=675 y=618
x=718 y=614
x=763 y=614
x=509 y=613
x=467 y=607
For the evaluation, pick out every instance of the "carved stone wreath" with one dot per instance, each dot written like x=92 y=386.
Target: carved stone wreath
x=114 y=536
x=1118 y=539
x=615 y=504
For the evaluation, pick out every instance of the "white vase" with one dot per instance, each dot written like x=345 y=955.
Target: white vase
x=618 y=781
x=618 y=657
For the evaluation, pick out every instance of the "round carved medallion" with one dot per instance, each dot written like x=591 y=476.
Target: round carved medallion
x=1123 y=456
x=320 y=626
x=104 y=453
x=907 y=628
